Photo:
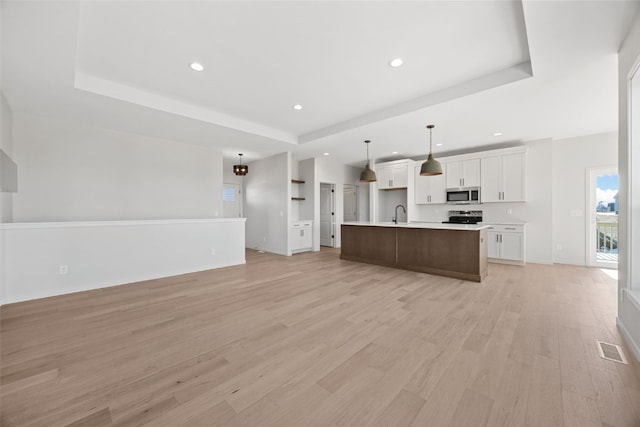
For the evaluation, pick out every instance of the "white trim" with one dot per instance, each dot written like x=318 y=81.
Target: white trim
x=632 y=296
x=628 y=273
x=634 y=69
x=75 y=224
x=506 y=261
x=519 y=149
x=633 y=346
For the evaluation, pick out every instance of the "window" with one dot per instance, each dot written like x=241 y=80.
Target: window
x=228 y=194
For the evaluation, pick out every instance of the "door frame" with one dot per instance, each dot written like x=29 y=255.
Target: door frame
x=355 y=188
x=590 y=218
x=240 y=196
x=332 y=201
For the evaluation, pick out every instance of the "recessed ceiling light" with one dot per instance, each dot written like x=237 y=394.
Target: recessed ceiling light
x=395 y=63
x=497 y=134
x=438 y=145
x=394 y=152
x=297 y=107
x=196 y=66
x=326 y=154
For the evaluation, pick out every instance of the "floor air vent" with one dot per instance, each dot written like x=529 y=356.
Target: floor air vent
x=611 y=352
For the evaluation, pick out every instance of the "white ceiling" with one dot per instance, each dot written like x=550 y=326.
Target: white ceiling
x=531 y=70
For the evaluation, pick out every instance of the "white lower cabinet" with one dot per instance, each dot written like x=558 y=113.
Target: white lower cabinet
x=506 y=242
x=301 y=236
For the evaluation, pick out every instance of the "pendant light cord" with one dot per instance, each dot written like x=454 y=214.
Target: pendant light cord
x=430 y=140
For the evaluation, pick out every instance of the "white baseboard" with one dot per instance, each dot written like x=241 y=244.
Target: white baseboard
x=505 y=261
x=635 y=349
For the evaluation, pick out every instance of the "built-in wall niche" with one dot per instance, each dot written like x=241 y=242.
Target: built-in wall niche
x=387 y=202
x=296 y=190
x=8 y=174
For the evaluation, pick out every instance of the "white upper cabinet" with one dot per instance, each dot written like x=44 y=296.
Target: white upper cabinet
x=429 y=189
x=503 y=178
x=463 y=173
x=392 y=175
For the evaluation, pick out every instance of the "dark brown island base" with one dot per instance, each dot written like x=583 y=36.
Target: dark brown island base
x=451 y=250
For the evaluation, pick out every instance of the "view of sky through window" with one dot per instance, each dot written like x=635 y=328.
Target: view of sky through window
x=606 y=192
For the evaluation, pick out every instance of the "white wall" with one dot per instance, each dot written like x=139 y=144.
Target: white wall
x=571 y=159
x=99 y=254
x=74 y=172
x=6 y=145
x=388 y=200
x=6 y=199
x=268 y=204
x=307 y=208
x=628 y=310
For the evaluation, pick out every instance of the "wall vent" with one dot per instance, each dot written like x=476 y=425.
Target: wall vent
x=611 y=352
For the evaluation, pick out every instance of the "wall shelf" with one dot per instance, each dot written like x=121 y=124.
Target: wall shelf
x=297 y=181
x=297 y=198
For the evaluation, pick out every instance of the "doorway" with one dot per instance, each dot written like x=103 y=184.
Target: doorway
x=602 y=247
x=231 y=200
x=350 y=202
x=327 y=215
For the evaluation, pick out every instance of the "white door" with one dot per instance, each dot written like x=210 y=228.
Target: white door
x=232 y=200
x=400 y=176
x=327 y=214
x=511 y=246
x=493 y=244
x=471 y=173
x=384 y=176
x=602 y=218
x=454 y=175
x=512 y=178
x=422 y=189
x=491 y=185
x=350 y=202
x=437 y=193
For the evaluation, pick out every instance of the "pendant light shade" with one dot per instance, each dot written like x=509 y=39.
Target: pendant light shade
x=368 y=175
x=431 y=166
x=240 y=169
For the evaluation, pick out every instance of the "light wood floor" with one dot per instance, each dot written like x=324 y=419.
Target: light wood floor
x=311 y=340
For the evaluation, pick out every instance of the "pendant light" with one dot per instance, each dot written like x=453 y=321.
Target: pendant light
x=368 y=175
x=240 y=169
x=431 y=166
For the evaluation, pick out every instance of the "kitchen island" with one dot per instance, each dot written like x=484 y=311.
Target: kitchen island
x=453 y=250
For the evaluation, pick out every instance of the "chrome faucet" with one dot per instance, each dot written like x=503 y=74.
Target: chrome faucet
x=395 y=218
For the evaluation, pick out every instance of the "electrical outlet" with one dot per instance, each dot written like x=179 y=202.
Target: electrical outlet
x=509 y=211
x=213 y=251
x=558 y=246
x=64 y=269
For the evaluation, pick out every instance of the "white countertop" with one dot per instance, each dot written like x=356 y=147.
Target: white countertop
x=501 y=223
x=432 y=225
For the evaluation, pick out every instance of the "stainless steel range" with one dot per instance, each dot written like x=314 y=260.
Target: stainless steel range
x=464 y=217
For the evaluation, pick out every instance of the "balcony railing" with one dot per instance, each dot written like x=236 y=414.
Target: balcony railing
x=607 y=241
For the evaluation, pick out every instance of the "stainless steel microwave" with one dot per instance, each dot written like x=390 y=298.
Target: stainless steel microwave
x=466 y=196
